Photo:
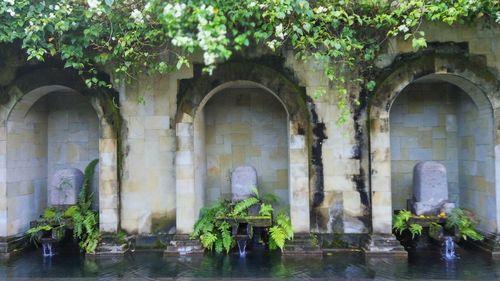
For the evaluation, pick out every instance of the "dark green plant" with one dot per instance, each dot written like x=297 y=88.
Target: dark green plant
x=80 y=217
x=153 y=36
x=400 y=223
x=465 y=222
x=280 y=232
x=86 y=220
x=214 y=231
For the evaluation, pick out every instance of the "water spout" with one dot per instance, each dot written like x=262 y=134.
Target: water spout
x=47 y=249
x=449 y=248
x=242 y=245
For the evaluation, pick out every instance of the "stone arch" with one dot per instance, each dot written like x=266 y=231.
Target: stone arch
x=23 y=93
x=192 y=100
x=482 y=87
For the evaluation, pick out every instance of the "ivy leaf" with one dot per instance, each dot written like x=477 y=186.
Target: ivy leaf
x=418 y=43
x=109 y=2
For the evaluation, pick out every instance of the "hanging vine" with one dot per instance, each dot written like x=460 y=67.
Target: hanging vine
x=141 y=36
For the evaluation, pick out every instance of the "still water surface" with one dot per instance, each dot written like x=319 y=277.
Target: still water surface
x=424 y=265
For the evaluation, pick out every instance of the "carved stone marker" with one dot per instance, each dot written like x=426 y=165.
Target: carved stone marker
x=65 y=186
x=243 y=179
x=430 y=188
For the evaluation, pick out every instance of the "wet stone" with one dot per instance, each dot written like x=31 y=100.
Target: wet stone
x=243 y=179
x=65 y=186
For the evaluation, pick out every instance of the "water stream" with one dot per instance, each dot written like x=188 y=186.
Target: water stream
x=242 y=245
x=449 y=248
x=47 y=249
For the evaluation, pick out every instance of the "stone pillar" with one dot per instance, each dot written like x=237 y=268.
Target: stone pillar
x=381 y=241
x=381 y=177
x=299 y=184
x=108 y=185
x=186 y=211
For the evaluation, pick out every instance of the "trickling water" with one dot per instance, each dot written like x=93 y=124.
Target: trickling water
x=47 y=249
x=242 y=245
x=449 y=248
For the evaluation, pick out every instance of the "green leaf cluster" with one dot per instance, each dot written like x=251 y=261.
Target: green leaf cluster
x=213 y=228
x=400 y=223
x=280 y=232
x=465 y=222
x=154 y=36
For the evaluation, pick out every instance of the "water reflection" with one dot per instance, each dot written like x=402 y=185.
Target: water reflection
x=423 y=265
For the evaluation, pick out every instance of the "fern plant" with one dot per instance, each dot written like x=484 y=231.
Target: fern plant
x=280 y=232
x=465 y=223
x=81 y=217
x=214 y=231
x=400 y=223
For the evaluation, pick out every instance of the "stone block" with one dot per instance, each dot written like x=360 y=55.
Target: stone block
x=243 y=179
x=65 y=186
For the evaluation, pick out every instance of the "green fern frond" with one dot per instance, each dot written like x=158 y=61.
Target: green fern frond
x=415 y=229
x=255 y=192
x=278 y=236
x=266 y=209
x=207 y=240
x=243 y=205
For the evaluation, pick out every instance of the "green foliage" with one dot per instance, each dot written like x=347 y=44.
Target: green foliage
x=214 y=230
x=415 y=229
x=266 y=210
x=121 y=237
x=465 y=222
x=243 y=205
x=400 y=221
x=280 y=232
x=80 y=217
x=154 y=36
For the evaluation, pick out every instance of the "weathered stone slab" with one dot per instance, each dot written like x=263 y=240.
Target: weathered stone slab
x=243 y=179
x=65 y=186
x=430 y=187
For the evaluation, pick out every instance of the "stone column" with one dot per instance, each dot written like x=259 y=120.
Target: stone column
x=299 y=184
x=108 y=185
x=186 y=213
x=382 y=241
x=381 y=177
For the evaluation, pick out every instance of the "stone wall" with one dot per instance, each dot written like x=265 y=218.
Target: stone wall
x=73 y=135
x=148 y=144
x=476 y=162
x=245 y=126
x=26 y=167
x=423 y=122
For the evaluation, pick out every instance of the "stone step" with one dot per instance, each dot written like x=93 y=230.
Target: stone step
x=184 y=246
x=184 y=243
x=183 y=250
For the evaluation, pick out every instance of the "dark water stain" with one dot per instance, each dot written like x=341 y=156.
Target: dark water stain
x=318 y=136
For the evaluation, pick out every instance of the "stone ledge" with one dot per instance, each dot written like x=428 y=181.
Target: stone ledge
x=302 y=244
x=384 y=245
x=9 y=245
x=110 y=247
x=181 y=244
x=490 y=244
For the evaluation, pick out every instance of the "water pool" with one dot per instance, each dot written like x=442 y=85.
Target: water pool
x=422 y=265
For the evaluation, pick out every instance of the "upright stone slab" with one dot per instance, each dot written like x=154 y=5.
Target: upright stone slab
x=430 y=187
x=243 y=179
x=65 y=186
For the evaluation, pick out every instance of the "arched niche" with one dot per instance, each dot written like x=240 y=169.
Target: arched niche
x=50 y=121
x=191 y=155
x=467 y=78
